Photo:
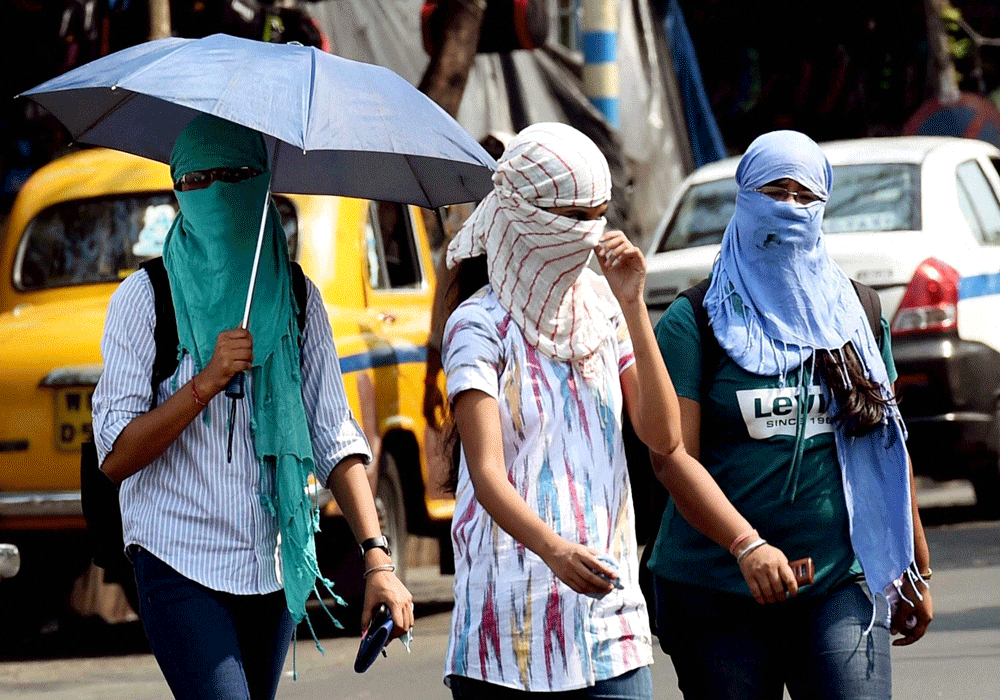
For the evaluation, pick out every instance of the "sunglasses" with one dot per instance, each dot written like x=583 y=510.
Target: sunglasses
x=200 y=179
x=802 y=197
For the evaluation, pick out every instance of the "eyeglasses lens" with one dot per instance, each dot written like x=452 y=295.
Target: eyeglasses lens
x=780 y=193
x=200 y=179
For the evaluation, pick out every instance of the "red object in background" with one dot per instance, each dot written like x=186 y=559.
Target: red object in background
x=972 y=116
x=508 y=25
x=930 y=304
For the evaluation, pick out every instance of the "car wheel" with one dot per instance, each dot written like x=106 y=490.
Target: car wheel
x=37 y=597
x=985 y=478
x=391 y=509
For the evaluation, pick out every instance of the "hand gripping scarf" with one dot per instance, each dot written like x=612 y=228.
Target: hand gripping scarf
x=536 y=260
x=775 y=298
x=208 y=254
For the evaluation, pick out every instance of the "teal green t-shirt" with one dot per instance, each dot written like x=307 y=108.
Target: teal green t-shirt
x=748 y=430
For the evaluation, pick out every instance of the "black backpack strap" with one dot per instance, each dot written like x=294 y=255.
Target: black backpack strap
x=872 y=305
x=165 y=333
x=299 y=291
x=711 y=351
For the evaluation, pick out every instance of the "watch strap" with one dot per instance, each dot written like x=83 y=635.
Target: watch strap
x=381 y=542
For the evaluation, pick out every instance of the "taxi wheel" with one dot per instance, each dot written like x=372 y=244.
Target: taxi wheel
x=37 y=598
x=391 y=508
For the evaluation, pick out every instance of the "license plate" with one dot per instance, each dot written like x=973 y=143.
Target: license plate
x=72 y=424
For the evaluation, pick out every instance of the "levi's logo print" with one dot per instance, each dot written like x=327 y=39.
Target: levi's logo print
x=775 y=411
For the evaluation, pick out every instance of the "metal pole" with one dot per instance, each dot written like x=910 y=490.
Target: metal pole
x=256 y=258
x=600 y=57
x=235 y=388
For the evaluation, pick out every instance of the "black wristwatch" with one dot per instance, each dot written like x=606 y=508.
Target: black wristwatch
x=372 y=542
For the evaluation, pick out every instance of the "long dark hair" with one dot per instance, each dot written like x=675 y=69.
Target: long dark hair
x=862 y=404
x=469 y=276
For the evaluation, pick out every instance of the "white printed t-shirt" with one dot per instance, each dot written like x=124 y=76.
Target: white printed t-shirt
x=515 y=623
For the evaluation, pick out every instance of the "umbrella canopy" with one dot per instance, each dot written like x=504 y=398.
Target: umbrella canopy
x=338 y=126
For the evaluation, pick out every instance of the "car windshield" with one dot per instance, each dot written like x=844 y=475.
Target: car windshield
x=104 y=239
x=865 y=198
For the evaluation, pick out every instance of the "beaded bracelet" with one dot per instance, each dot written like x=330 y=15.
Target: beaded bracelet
x=380 y=567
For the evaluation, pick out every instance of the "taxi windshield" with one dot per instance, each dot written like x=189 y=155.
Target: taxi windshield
x=864 y=198
x=103 y=239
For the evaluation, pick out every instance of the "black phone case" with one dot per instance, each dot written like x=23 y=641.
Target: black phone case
x=374 y=639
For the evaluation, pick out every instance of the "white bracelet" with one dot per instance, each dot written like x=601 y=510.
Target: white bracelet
x=759 y=542
x=380 y=567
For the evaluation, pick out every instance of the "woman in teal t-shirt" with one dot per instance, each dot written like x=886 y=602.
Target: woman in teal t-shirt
x=794 y=420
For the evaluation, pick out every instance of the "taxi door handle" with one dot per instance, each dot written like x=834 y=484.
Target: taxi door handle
x=386 y=317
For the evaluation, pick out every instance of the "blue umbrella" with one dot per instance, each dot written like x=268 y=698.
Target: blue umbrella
x=339 y=126
x=333 y=126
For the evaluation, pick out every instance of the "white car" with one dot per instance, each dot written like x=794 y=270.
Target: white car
x=918 y=219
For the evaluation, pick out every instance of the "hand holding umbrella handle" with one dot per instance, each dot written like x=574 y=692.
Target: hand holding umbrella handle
x=234 y=389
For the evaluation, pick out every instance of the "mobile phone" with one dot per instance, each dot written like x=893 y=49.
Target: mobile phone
x=615 y=582
x=803 y=570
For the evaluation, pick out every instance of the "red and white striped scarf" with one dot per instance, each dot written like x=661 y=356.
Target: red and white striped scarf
x=536 y=258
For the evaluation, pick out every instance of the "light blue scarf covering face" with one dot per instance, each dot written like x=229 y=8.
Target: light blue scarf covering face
x=208 y=254
x=775 y=297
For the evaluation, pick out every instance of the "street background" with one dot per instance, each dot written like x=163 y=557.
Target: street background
x=958 y=658
x=834 y=70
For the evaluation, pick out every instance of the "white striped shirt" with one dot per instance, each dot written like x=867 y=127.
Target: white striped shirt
x=190 y=507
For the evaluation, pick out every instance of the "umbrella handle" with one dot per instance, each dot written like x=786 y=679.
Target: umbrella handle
x=234 y=389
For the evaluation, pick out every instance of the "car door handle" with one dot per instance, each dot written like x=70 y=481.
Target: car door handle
x=386 y=317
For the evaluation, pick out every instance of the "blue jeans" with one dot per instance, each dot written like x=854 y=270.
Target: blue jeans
x=728 y=646
x=632 y=685
x=209 y=644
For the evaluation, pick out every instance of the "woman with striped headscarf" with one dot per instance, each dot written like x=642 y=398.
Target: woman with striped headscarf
x=540 y=363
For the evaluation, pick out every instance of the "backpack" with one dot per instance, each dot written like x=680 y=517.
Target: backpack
x=711 y=356
x=98 y=494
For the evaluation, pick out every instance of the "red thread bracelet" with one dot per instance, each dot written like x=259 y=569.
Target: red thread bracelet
x=738 y=540
x=197 y=398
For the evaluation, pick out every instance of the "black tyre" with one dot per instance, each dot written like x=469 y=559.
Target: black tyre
x=39 y=595
x=391 y=508
x=985 y=476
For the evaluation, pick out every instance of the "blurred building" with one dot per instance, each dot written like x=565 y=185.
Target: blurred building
x=834 y=69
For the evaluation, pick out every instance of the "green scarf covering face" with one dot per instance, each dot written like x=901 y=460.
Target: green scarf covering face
x=208 y=254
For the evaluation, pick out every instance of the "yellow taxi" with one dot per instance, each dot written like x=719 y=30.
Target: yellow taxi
x=84 y=222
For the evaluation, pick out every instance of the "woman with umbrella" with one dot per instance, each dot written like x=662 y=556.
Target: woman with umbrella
x=215 y=512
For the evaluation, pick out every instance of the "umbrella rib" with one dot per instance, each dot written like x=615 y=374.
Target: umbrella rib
x=149 y=66
x=416 y=177
x=131 y=93
x=309 y=97
x=118 y=105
